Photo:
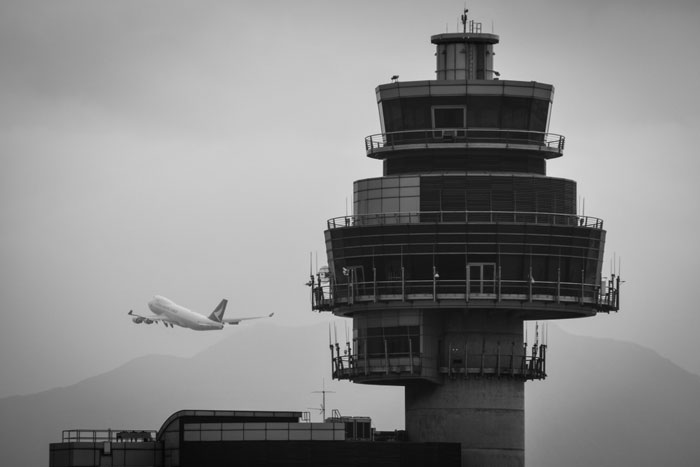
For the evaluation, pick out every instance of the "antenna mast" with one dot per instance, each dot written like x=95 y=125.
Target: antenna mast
x=323 y=392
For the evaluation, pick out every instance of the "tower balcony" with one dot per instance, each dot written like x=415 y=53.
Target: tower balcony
x=537 y=265
x=477 y=140
x=535 y=299
x=404 y=367
x=484 y=217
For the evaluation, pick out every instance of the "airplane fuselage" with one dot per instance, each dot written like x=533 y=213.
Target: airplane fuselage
x=182 y=316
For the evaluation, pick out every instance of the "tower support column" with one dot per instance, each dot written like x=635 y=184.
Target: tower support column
x=485 y=414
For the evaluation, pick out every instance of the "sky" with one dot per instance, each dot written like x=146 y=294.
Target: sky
x=196 y=149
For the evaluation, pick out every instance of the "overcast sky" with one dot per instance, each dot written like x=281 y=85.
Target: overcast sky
x=195 y=149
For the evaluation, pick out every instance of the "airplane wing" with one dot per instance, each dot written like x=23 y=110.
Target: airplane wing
x=149 y=319
x=238 y=320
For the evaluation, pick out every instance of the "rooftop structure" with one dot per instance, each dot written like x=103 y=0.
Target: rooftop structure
x=461 y=241
x=218 y=438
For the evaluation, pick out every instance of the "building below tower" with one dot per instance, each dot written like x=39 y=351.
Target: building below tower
x=218 y=438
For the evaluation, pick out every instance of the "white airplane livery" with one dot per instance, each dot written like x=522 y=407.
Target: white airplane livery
x=171 y=314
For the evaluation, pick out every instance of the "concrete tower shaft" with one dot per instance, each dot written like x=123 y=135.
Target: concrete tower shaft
x=461 y=240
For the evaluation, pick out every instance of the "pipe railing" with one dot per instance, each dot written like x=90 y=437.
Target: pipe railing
x=108 y=435
x=463 y=136
x=351 y=366
x=605 y=298
x=482 y=217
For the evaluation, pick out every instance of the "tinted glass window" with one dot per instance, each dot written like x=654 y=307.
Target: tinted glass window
x=448 y=117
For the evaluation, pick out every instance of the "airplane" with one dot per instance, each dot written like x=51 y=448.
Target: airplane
x=170 y=314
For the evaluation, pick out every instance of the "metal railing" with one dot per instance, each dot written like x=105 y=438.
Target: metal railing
x=483 y=217
x=391 y=365
x=603 y=298
x=108 y=435
x=463 y=137
x=460 y=288
x=350 y=366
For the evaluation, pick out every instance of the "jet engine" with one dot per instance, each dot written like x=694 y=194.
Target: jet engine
x=137 y=320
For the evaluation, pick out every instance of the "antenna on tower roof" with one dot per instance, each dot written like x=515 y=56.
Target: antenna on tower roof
x=464 y=19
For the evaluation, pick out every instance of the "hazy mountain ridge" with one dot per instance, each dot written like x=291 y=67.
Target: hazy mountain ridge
x=608 y=402
x=605 y=402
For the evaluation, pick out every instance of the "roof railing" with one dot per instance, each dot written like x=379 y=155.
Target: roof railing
x=464 y=137
x=107 y=435
x=603 y=297
x=483 y=217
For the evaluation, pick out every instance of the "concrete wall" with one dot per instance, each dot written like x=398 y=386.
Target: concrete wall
x=485 y=415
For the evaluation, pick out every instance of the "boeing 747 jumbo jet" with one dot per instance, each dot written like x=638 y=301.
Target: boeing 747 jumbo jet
x=170 y=314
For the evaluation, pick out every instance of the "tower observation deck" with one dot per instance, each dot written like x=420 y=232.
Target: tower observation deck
x=462 y=240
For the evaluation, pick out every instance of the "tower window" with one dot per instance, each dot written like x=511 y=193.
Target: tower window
x=452 y=116
x=390 y=341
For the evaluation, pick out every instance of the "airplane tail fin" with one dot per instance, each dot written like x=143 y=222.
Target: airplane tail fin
x=218 y=313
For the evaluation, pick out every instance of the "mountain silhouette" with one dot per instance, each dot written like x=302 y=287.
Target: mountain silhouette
x=611 y=403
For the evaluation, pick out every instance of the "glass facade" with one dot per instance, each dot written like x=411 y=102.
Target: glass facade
x=503 y=112
x=538 y=258
x=387 y=195
x=263 y=431
x=497 y=193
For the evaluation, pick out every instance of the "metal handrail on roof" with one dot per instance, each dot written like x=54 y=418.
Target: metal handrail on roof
x=107 y=435
x=482 y=217
x=463 y=137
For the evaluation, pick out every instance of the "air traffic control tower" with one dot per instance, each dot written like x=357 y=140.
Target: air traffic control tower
x=461 y=241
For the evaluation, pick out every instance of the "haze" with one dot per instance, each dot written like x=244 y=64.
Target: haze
x=195 y=150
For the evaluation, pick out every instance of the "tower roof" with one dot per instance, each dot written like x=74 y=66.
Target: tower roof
x=464 y=37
